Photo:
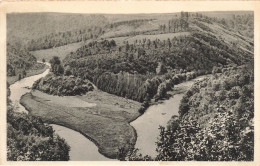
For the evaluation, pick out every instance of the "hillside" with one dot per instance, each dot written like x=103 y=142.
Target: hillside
x=216 y=120
x=24 y=27
x=21 y=63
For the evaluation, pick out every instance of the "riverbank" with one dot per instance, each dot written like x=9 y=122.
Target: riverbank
x=158 y=114
x=180 y=88
x=29 y=73
x=106 y=123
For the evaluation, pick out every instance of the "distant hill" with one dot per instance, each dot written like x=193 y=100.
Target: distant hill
x=47 y=30
x=27 y=26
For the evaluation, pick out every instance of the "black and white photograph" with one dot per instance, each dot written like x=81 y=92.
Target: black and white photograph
x=152 y=86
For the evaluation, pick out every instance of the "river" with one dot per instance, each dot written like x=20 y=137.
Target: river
x=82 y=149
x=147 y=125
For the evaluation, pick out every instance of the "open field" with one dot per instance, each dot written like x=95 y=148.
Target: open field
x=60 y=52
x=29 y=73
x=106 y=123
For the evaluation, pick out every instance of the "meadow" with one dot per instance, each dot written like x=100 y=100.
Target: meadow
x=106 y=123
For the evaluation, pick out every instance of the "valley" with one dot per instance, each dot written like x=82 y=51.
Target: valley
x=142 y=87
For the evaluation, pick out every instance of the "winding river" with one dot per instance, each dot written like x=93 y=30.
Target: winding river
x=82 y=149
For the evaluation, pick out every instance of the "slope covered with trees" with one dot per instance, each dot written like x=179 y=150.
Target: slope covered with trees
x=216 y=120
x=62 y=83
x=105 y=63
x=132 y=70
x=21 y=63
x=18 y=60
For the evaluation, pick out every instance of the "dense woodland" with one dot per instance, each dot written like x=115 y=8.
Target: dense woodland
x=126 y=68
x=216 y=120
x=18 y=60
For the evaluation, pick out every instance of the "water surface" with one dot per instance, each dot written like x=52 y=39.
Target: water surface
x=147 y=125
x=82 y=149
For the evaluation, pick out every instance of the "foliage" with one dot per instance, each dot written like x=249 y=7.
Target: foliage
x=18 y=60
x=56 y=66
x=63 y=85
x=105 y=64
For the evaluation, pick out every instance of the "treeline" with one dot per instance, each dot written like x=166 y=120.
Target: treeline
x=176 y=24
x=30 y=139
x=216 y=120
x=74 y=36
x=18 y=60
x=135 y=23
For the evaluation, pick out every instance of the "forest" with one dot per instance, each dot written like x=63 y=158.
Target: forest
x=18 y=60
x=126 y=67
x=215 y=122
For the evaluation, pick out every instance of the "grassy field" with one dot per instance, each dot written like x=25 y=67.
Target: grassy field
x=29 y=73
x=106 y=123
x=61 y=51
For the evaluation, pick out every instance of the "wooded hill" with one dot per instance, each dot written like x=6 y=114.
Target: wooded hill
x=18 y=60
x=47 y=30
x=130 y=70
x=216 y=120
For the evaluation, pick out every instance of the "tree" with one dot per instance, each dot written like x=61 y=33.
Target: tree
x=56 y=66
